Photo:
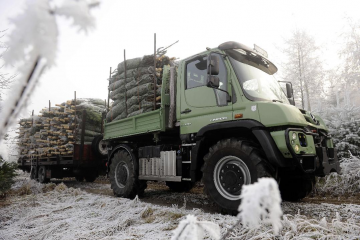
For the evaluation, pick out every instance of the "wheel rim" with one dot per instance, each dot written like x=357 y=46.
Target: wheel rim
x=230 y=173
x=102 y=148
x=121 y=174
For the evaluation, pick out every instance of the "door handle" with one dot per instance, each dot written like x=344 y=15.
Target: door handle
x=185 y=111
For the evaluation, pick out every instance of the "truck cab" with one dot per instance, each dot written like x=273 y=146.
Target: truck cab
x=223 y=120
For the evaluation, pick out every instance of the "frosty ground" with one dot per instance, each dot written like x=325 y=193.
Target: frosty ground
x=72 y=210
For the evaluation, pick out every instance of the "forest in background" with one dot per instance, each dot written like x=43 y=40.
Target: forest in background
x=330 y=92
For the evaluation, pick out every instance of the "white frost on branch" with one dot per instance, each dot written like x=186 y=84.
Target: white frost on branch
x=35 y=34
x=192 y=229
x=79 y=12
x=260 y=202
x=35 y=38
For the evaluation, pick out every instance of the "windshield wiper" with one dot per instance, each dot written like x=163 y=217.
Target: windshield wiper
x=275 y=100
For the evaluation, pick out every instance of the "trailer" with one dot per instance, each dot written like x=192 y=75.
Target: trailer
x=87 y=161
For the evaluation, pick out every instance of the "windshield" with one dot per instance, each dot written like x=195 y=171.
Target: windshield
x=255 y=75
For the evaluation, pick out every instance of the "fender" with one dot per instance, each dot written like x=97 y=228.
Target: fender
x=121 y=147
x=260 y=132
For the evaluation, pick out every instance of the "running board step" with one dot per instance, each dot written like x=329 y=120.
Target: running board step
x=161 y=178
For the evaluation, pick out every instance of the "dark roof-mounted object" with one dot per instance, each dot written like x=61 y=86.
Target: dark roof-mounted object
x=234 y=45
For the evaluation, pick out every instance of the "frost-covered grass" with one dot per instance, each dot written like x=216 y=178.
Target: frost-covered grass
x=348 y=182
x=58 y=212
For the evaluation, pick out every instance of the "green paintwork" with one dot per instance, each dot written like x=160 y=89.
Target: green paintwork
x=147 y=122
x=204 y=111
x=329 y=143
x=309 y=149
x=279 y=138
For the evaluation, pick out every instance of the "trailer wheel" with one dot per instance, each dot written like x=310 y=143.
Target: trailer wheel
x=229 y=165
x=123 y=176
x=79 y=178
x=42 y=175
x=99 y=146
x=90 y=178
x=294 y=189
x=33 y=173
x=180 y=186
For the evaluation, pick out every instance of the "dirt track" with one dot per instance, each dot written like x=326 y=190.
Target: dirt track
x=159 y=194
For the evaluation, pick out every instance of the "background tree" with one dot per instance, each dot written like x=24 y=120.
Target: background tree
x=350 y=56
x=303 y=68
x=5 y=78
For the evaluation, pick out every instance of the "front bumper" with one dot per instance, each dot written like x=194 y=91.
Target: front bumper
x=321 y=163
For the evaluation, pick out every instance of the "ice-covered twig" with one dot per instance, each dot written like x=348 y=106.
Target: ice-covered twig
x=20 y=95
x=192 y=229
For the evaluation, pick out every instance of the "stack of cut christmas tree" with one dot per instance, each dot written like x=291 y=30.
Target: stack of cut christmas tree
x=55 y=130
x=133 y=90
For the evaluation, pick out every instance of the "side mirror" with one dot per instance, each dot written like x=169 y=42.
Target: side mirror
x=213 y=65
x=213 y=82
x=289 y=90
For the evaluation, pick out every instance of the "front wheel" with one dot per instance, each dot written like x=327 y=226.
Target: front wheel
x=293 y=189
x=123 y=176
x=228 y=166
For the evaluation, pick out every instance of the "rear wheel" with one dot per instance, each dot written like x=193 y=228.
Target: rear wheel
x=228 y=166
x=123 y=175
x=180 y=186
x=42 y=175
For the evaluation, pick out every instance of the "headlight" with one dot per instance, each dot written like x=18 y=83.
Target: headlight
x=294 y=136
x=296 y=148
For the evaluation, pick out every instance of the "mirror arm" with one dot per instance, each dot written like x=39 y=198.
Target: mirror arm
x=225 y=92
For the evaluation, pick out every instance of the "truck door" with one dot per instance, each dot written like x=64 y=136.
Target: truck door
x=199 y=104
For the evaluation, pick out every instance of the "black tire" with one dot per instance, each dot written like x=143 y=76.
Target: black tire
x=33 y=173
x=42 y=175
x=294 y=189
x=123 y=175
x=90 y=178
x=180 y=186
x=142 y=187
x=229 y=164
x=79 y=178
x=99 y=146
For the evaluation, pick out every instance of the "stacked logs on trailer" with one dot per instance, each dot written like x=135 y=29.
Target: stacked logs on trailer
x=56 y=129
x=134 y=94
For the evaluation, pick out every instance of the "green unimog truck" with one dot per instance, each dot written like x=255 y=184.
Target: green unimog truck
x=224 y=120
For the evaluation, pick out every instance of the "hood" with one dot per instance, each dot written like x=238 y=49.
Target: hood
x=274 y=114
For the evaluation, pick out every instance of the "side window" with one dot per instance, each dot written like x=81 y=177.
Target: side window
x=196 y=74
x=220 y=95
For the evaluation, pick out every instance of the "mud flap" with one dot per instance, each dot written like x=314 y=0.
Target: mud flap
x=329 y=165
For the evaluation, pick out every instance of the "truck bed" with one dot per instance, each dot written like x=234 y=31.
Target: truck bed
x=153 y=121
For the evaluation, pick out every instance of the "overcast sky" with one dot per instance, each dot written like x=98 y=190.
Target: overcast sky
x=83 y=61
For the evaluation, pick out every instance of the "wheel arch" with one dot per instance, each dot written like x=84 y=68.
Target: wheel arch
x=241 y=129
x=122 y=147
